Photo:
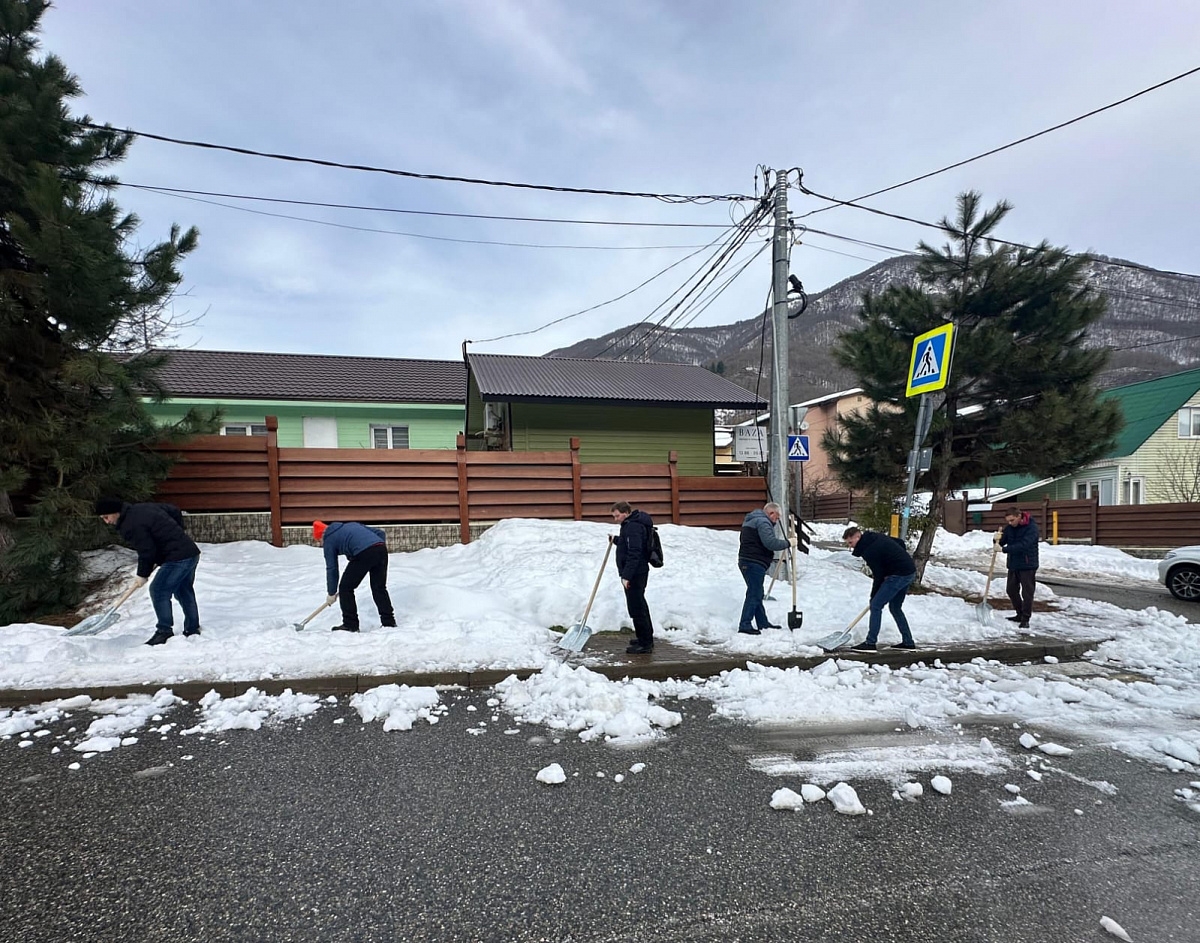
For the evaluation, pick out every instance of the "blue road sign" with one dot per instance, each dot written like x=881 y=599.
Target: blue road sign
x=798 y=448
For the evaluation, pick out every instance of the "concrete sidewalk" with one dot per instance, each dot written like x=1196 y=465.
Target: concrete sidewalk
x=605 y=655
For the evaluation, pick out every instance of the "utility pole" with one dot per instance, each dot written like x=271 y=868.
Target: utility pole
x=779 y=369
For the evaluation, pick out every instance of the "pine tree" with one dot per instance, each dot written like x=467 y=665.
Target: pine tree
x=1020 y=397
x=77 y=302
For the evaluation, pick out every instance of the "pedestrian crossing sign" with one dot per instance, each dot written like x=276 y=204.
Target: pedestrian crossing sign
x=929 y=365
x=798 y=448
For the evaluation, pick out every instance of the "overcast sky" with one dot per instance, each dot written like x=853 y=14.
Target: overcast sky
x=669 y=96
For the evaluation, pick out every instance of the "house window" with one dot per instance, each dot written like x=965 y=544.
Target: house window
x=244 y=428
x=1133 y=491
x=1095 y=487
x=389 y=437
x=1189 y=422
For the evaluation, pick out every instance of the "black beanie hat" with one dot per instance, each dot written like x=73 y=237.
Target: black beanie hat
x=109 y=506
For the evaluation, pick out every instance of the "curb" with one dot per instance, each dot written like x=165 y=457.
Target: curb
x=1011 y=653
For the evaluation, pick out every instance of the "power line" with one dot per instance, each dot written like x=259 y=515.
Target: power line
x=392 y=209
x=411 y=174
x=397 y=232
x=1005 y=242
x=1004 y=147
x=568 y=317
x=1169 y=340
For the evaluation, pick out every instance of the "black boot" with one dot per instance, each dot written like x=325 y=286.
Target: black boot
x=345 y=628
x=388 y=622
x=160 y=637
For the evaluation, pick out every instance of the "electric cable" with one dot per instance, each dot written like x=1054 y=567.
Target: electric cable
x=411 y=174
x=1004 y=147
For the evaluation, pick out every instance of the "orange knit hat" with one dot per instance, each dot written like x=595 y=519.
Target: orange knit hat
x=319 y=529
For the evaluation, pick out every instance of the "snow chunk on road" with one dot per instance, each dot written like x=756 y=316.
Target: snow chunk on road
x=399 y=705
x=1054 y=749
x=249 y=711
x=787 y=799
x=912 y=791
x=845 y=800
x=1028 y=741
x=1115 y=929
x=941 y=784
x=812 y=793
x=552 y=775
x=586 y=702
x=98 y=744
x=1178 y=748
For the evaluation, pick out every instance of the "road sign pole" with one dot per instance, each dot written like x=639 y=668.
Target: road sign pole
x=914 y=461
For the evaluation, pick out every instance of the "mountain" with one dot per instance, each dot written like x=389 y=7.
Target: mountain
x=1145 y=307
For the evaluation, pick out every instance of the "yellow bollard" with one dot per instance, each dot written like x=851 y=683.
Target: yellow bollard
x=895 y=525
x=1054 y=529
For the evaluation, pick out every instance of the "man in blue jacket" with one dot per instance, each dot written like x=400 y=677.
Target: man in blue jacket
x=366 y=551
x=757 y=548
x=893 y=571
x=156 y=532
x=1019 y=539
x=633 y=566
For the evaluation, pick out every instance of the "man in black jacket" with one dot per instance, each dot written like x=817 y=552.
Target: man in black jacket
x=1019 y=540
x=893 y=571
x=633 y=565
x=756 y=549
x=156 y=532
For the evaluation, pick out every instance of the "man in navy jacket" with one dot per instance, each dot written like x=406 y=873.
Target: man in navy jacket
x=1019 y=540
x=366 y=551
x=633 y=565
x=756 y=549
x=156 y=532
x=893 y=572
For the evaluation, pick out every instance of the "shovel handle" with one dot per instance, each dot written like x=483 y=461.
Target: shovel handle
x=124 y=596
x=316 y=612
x=987 y=587
x=858 y=618
x=595 y=586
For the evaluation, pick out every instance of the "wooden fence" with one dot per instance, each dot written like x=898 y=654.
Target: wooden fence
x=430 y=486
x=1126 y=525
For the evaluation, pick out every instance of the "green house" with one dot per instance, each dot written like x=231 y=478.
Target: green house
x=321 y=401
x=621 y=411
x=1156 y=458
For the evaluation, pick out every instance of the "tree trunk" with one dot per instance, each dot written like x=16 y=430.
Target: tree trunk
x=937 y=498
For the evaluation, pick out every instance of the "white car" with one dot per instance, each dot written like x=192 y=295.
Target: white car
x=1179 y=571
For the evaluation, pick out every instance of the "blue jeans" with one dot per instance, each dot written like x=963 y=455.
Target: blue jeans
x=752 y=609
x=176 y=579
x=891 y=594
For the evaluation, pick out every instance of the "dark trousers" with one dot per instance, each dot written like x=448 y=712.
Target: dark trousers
x=752 y=606
x=1020 y=591
x=639 y=611
x=891 y=593
x=373 y=560
x=175 y=579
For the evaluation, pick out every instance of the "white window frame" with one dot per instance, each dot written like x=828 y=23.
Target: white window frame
x=1094 y=488
x=390 y=433
x=1133 y=487
x=1189 y=423
x=244 y=428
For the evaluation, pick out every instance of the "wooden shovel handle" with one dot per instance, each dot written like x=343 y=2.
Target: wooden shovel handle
x=125 y=595
x=312 y=615
x=987 y=588
x=858 y=618
x=596 y=585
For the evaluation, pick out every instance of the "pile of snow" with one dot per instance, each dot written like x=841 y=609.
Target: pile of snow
x=399 y=705
x=552 y=775
x=583 y=701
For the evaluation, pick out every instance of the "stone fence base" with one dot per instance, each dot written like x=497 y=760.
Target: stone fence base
x=401 y=538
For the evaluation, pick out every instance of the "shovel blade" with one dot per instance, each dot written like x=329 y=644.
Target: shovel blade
x=575 y=637
x=97 y=623
x=833 y=642
x=983 y=612
x=795 y=620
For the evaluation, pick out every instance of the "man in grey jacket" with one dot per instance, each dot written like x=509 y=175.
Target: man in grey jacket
x=759 y=542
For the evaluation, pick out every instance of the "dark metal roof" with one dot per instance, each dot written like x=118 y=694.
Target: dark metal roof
x=232 y=374
x=503 y=377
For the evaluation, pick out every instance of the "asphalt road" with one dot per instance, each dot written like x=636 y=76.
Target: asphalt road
x=1123 y=595
x=340 y=832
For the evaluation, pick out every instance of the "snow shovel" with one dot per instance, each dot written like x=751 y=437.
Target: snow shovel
x=577 y=635
x=299 y=626
x=838 y=639
x=774 y=577
x=795 y=618
x=983 y=610
x=103 y=620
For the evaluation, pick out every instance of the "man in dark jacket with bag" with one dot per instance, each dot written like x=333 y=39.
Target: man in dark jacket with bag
x=756 y=550
x=1019 y=540
x=366 y=551
x=893 y=571
x=156 y=532
x=633 y=565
